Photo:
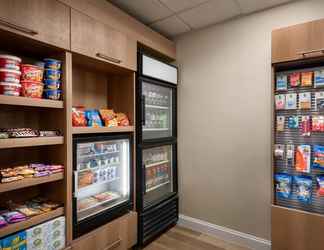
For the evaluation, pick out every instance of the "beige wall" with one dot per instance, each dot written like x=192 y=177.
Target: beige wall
x=224 y=118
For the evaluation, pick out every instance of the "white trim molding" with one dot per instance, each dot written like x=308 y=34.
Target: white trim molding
x=227 y=234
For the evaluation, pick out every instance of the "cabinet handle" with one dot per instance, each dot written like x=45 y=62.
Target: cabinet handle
x=113 y=245
x=108 y=58
x=17 y=27
x=304 y=53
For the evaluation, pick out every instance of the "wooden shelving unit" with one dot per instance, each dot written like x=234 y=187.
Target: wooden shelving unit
x=29 y=182
x=89 y=130
x=30 y=142
x=30 y=102
x=12 y=228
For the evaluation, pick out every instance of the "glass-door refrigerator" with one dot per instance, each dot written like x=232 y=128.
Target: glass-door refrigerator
x=157 y=187
x=102 y=180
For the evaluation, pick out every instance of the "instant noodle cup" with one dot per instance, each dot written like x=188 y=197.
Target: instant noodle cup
x=52 y=84
x=31 y=73
x=52 y=74
x=7 y=88
x=32 y=89
x=53 y=94
x=10 y=62
x=9 y=75
x=52 y=63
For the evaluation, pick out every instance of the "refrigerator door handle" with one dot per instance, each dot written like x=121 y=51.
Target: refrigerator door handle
x=75 y=173
x=143 y=110
x=144 y=179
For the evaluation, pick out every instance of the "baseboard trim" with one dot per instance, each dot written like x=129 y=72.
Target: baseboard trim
x=224 y=233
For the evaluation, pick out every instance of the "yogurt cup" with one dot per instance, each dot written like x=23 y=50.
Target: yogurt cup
x=52 y=63
x=53 y=94
x=52 y=84
x=52 y=74
x=7 y=88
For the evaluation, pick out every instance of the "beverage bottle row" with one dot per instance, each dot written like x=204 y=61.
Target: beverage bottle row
x=155 y=156
x=155 y=97
x=156 y=119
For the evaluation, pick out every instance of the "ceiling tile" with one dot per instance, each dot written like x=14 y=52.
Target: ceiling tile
x=248 y=6
x=170 y=26
x=146 y=11
x=178 y=5
x=210 y=12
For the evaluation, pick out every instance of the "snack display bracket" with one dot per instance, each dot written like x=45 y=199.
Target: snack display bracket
x=35 y=220
x=90 y=130
x=293 y=136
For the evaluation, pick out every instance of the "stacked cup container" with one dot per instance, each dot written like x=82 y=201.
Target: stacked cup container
x=10 y=75
x=52 y=79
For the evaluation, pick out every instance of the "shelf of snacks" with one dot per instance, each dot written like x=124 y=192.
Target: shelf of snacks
x=90 y=130
x=32 y=221
x=31 y=102
x=30 y=142
x=157 y=186
x=18 y=181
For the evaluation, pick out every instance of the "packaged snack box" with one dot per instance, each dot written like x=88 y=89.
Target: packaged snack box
x=16 y=241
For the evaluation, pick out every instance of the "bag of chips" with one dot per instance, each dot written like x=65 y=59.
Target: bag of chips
x=109 y=117
x=318 y=156
x=320 y=184
x=3 y=222
x=93 y=118
x=303 y=158
x=303 y=188
x=78 y=117
x=122 y=119
x=283 y=185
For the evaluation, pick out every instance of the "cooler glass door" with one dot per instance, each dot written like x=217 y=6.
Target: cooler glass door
x=157 y=111
x=158 y=170
x=101 y=177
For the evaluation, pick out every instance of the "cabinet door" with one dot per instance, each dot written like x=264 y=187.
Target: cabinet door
x=43 y=20
x=298 y=42
x=97 y=40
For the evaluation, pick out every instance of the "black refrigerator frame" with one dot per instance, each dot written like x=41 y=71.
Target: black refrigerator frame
x=151 y=215
x=101 y=218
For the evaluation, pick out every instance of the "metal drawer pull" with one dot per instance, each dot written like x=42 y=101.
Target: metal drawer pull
x=108 y=58
x=113 y=245
x=18 y=27
x=304 y=53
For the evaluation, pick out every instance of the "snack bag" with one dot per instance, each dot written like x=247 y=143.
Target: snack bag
x=318 y=156
x=304 y=188
x=279 y=151
x=291 y=101
x=320 y=184
x=93 y=118
x=122 y=119
x=290 y=152
x=294 y=79
x=109 y=117
x=283 y=185
x=280 y=101
x=303 y=158
x=280 y=123
x=318 y=123
x=281 y=82
x=78 y=117
x=306 y=79
x=305 y=125
x=319 y=101
x=305 y=100
x=319 y=78
x=293 y=122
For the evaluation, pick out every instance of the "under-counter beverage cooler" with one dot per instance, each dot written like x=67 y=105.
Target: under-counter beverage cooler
x=102 y=180
x=156 y=133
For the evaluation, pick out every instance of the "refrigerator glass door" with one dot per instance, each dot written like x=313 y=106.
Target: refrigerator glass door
x=158 y=173
x=102 y=176
x=157 y=101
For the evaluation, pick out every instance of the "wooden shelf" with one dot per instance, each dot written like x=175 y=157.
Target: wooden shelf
x=12 y=228
x=28 y=182
x=30 y=142
x=90 y=130
x=32 y=102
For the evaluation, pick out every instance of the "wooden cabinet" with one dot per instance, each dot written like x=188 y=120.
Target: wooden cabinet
x=43 y=20
x=120 y=234
x=97 y=40
x=297 y=42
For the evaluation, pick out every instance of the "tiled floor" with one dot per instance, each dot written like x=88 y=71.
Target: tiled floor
x=179 y=238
